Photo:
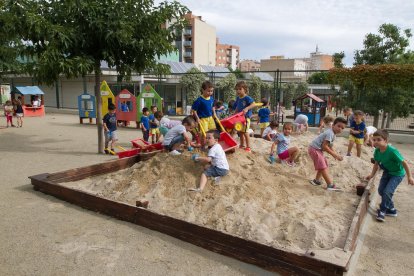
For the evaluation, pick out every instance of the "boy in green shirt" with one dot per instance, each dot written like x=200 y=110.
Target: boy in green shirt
x=395 y=167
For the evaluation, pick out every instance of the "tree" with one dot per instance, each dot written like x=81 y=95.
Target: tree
x=337 y=59
x=72 y=38
x=255 y=85
x=192 y=82
x=318 y=78
x=227 y=85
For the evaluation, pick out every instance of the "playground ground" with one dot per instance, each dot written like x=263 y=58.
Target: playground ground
x=41 y=235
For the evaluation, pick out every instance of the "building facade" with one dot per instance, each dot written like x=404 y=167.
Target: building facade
x=197 y=42
x=227 y=55
x=249 y=65
x=286 y=64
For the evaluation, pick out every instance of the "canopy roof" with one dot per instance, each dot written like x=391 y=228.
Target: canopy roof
x=312 y=96
x=29 y=90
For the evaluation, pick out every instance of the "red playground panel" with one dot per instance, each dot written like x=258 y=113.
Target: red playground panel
x=128 y=153
x=227 y=142
x=236 y=121
x=145 y=146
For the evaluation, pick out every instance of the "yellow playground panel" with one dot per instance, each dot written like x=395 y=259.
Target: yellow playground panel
x=107 y=97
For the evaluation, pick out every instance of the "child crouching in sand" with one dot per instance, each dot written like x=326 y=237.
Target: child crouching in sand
x=394 y=169
x=324 y=142
x=176 y=136
x=216 y=156
x=282 y=141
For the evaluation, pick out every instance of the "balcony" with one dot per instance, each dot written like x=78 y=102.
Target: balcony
x=188 y=43
x=188 y=32
x=188 y=54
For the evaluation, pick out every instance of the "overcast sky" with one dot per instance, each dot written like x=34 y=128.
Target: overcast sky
x=293 y=28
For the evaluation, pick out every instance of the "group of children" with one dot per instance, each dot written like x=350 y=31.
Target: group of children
x=10 y=108
x=176 y=135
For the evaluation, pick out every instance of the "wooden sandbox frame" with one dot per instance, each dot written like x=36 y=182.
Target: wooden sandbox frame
x=315 y=262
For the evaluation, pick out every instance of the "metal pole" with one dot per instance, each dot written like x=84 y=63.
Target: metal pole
x=57 y=94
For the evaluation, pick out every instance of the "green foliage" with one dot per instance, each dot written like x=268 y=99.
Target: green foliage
x=226 y=85
x=337 y=59
x=192 y=82
x=255 y=85
x=385 y=47
x=292 y=91
x=318 y=78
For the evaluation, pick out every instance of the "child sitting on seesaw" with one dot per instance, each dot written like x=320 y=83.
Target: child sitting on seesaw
x=216 y=156
x=176 y=136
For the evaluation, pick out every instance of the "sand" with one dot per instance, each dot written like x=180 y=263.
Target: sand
x=273 y=204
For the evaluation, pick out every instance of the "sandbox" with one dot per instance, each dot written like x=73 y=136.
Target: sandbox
x=267 y=215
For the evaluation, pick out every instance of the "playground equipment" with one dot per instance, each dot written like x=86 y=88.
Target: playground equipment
x=35 y=106
x=140 y=147
x=126 y=107
x=107 y=97
x=236 y=121
x=86 y=107
x=312 y=106
x=147 y=98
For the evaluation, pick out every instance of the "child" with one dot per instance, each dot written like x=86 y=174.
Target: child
x=145 y=124
x=176 y=136
x=324 y=142
x=220 y=110
x=264 y=114
x=349 y=115
x=109 y=124
x=202 y=108
x=154 y=125
x=356 y=133
x=326 y=122
x=301 y=123
x=282 y=141
x=395 y=167
x=270 y=131
x=244 y=103
x=369 y=131
x=19 y=111
x=8 y=112
x=216 y=156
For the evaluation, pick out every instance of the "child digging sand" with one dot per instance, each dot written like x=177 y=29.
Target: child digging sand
x=324 y=142
x=395 y=168
x=216 y=156
x=176 y=136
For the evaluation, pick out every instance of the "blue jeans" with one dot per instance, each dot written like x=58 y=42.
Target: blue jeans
x=387 y=186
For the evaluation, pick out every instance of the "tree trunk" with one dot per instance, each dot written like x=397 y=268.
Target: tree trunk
x=384 y=116
x=389 y=120
x=376 y=120
x=99 y=122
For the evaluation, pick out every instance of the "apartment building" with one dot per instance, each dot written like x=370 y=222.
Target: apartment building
x=249 y=65
x=227 y=55
x=285 y=64
x=197 y=42
x=319 y=61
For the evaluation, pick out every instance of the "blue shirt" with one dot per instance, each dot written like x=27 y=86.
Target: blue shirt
x=283 y=143
x=110 y=121
x=203 y=106
x=242 y=103
x=358 y=127
x=151 y=118
x=145 y=122
x=264 y=114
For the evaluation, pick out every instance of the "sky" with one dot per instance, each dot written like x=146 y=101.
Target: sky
x=264 y=28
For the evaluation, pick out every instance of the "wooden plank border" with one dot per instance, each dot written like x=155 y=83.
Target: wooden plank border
x=269 y=258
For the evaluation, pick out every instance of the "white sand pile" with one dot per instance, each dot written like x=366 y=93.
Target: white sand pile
x=271 y=204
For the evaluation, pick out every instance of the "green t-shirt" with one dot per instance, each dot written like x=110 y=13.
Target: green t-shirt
x=391 y=159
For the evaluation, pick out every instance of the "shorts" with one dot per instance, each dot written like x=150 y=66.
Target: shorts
x=111 y=136
x=176 y=140
x=246 y=126
x=264 y=125
x=319 y=160
x=207 y=123
x=358 y=141
x=284 y=155
x=19 y=115
x=154 y=131
x=215 y=171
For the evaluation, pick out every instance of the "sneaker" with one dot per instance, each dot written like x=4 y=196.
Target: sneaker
x=315 y=182
x=380 y=216
x=175 y=152
x=248 y=149
x=195 y=190
x=217 y=180
x=106 y=151
x=391 y=212
x=348 y=154
x=332 y=187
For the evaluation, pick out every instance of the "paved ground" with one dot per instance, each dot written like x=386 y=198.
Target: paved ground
x=41 y=235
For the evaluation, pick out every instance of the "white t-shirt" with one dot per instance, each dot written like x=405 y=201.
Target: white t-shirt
x=218 y=157
x=174 y=132
x=370 y=130
x=268 y=131
x=166 y=122
x=301 y=119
